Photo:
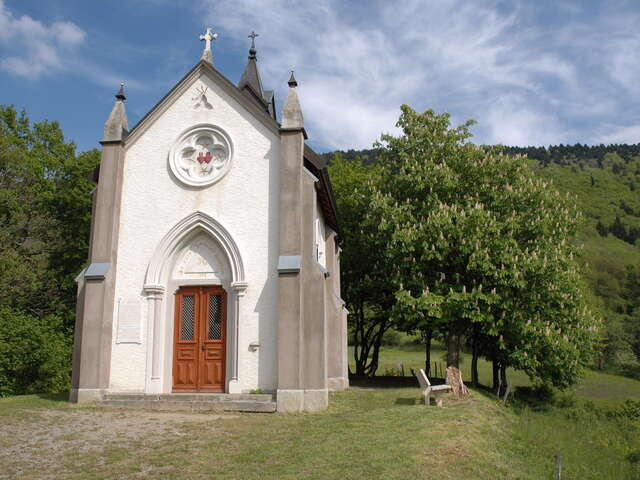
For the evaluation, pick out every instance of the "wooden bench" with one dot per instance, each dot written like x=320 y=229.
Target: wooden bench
x=428 y=390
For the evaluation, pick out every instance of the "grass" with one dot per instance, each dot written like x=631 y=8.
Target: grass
x=375 y=430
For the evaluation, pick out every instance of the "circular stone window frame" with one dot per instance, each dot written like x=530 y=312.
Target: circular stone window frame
x=176 y=149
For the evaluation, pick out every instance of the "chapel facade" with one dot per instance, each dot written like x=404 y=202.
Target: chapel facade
x=214 y=252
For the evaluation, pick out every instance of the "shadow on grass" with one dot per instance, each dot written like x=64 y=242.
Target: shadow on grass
x=54 y=397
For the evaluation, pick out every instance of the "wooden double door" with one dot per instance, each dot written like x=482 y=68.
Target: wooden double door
x=199 y=348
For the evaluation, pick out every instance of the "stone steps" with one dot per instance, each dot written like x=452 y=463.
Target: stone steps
x=192 y=402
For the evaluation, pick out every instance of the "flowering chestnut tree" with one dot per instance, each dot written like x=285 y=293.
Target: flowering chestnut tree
x=482 y=251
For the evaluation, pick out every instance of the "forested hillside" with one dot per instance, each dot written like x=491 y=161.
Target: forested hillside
x=605 y=181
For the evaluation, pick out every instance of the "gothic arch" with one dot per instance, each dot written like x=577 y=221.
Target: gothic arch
x=195 y=223
x=157 y=278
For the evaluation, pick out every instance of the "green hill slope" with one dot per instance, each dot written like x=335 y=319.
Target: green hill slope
x=610 y=233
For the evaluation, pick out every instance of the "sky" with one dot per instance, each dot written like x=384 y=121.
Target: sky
x=530 y=73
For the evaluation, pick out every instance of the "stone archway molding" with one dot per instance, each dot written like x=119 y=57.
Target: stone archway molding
x=156 y=280
x=196 y=222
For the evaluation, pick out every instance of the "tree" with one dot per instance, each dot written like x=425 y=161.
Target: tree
x=365 y=282
x=45 y=214
x=35 y=354
x=481 y=248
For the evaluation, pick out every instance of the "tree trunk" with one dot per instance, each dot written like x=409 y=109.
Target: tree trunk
x=496 y=375
x=474 y=357
x=453 y=349
x=427 y=352
x=503 y=378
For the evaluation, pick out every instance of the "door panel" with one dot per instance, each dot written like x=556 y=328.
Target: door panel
x=212 y=365
x=185 y=363
x=200 y=339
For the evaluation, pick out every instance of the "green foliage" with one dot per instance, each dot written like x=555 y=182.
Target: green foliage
x=607 y=199
x=629 y=410
x=35 y=354
x=480 y=246
x=45 y=209
x=604 y=180
x=45 y=215
x=366 y=286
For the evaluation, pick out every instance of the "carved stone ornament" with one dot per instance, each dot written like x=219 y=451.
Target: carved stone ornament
x=201 y=156
x=199 y=261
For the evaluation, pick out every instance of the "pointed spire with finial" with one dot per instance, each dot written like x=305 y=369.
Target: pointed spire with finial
x=252 y=50
x=250 y=78
x=208 y=37
x=117 y=126
x=292 y=113
x=120 y=95
x=292 y=81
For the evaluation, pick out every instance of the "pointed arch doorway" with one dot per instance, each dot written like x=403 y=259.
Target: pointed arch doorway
x=199 y=359
x=166 y=277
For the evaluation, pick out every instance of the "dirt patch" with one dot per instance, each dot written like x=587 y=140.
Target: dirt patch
x=43 y=438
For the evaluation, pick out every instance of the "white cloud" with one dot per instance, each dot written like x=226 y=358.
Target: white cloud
x=526 y=81
x=35 y=48
x=624 y=134
x=511 y=121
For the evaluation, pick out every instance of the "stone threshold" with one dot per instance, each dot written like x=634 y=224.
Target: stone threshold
x=191 y=402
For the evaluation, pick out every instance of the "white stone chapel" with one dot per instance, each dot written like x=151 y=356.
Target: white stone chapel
x=214 y=252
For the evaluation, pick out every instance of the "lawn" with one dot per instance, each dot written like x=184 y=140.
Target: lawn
x=376 y=430
x=595 y=386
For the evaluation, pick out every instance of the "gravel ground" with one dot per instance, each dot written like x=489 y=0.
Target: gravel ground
x=38 y=443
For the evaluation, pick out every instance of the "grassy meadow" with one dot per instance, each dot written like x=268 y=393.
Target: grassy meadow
x=375 y=430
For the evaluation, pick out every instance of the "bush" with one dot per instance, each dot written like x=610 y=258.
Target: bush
x=629 y=410
x=35 y=354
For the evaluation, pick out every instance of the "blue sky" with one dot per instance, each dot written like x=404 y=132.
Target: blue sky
x=530 y=73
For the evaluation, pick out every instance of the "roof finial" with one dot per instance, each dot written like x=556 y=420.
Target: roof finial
x=116 y=127
x=292 y=113
x=120 y=94
x=252 y=50
x=292 y=80
x=208 y=36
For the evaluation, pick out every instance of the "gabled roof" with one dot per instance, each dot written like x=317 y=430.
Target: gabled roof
x=202 y=67
x=318 y=166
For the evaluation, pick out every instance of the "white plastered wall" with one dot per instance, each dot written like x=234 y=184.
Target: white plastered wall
x=244 y=202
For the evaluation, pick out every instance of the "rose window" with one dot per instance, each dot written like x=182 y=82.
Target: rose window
x=201 y=156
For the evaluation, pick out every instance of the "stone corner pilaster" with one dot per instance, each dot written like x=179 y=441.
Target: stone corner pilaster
x=288 y=401
x=337 y=384
x=85 y=395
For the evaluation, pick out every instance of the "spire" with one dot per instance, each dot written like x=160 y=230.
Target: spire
x=117 y=126
x=292 y=81
x=250 y=78
x=120 y=94
x=292 y=113
x=207 y=37
x=252 y=50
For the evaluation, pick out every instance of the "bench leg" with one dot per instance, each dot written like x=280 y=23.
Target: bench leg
x=426 y=397
x=438 y=401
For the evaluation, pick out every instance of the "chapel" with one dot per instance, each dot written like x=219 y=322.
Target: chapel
x=214 y=258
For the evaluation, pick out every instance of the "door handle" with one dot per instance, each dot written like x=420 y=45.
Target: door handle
x=202 y=347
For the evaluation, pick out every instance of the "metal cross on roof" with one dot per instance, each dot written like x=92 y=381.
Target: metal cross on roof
x=253 y=38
